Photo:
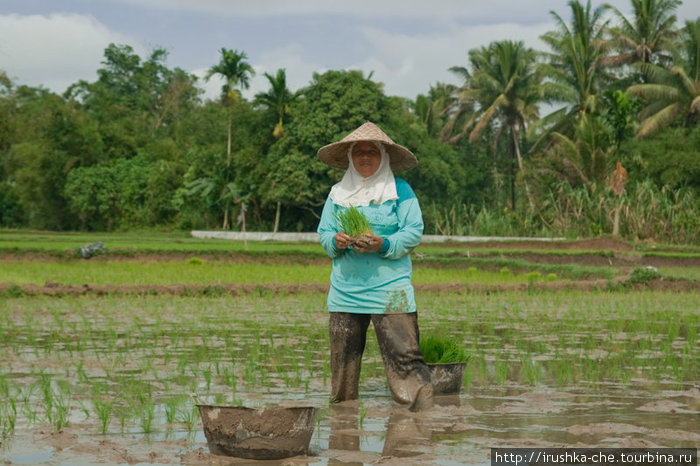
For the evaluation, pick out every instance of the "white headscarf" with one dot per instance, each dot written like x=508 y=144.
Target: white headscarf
x=355 y=190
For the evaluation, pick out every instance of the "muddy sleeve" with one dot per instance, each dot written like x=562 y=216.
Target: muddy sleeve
x=410 y=231
x=327 y=228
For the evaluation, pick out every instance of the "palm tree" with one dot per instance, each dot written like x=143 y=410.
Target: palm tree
x=674 y=92
x=583 y=159
x=236 y=72
x=435 y=109
x=505 y=87
x=461 y=109
x=573 y=66
x=277 y=99
x=648 y=37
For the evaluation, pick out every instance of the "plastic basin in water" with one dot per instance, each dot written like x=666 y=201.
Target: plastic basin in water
x=258 y=433
x=447 y=377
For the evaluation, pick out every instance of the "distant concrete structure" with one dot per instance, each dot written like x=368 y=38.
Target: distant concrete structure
x=313 y=237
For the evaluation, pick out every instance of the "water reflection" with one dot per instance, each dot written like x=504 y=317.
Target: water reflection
x=406 y=434
x=345 y=424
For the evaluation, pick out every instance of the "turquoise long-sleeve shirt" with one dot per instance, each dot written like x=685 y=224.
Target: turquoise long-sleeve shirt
x=379 y=282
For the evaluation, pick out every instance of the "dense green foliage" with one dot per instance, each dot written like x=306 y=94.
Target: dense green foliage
x=140 y=148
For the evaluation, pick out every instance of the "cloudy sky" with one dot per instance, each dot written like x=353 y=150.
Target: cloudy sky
x=407 y=44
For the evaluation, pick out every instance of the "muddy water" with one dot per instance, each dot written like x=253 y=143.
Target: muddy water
x=150 y=355
x=458 y=430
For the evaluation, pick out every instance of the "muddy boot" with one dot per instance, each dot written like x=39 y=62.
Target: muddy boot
x=407 y=374
x=424 y=399
x=348 y=333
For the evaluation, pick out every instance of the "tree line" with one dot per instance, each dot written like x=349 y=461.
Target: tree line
x=617 y=153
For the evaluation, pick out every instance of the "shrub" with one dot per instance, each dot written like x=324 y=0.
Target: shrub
x=643 y=275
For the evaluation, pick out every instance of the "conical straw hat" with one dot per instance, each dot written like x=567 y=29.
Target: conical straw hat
x=336 y=154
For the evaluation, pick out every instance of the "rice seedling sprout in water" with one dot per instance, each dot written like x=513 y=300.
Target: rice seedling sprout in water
x=103 y=409
x=188 y=417
x=147 y=416
x=8 y=418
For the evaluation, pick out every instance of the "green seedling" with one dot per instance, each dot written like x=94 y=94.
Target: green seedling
x=530 y=370
x=442 y=350
x=8 y=418
x=147 y=415
x=189 y=417
x=353 y=222
x=500 y=372
x=103 y=409
x=171 y=409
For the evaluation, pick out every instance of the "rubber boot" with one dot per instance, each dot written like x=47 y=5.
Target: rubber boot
x=348 y=334
x=407 y=373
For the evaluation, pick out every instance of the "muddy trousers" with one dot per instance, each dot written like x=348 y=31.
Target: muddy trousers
x=397 y=334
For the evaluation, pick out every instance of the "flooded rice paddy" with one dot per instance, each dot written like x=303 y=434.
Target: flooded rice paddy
x=115 y=379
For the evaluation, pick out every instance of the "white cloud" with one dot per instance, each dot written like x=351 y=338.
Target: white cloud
x=470 y=11
x=298 y=68
x=53 y=51
x=59 y=49
x=407 y=64
x=410 y=64
x=688 y=11
x=365 y=9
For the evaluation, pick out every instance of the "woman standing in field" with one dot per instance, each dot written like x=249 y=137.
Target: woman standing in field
x=371 y=277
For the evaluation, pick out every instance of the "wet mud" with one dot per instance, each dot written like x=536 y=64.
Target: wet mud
x=457 y=430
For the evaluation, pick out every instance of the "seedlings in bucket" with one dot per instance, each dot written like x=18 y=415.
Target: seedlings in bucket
x=438 y=350
x=355 y=224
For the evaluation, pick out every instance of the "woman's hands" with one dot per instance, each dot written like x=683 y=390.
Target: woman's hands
x=370 y=243
x=342 y=241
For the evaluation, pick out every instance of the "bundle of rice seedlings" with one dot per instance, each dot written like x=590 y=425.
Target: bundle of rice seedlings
x=355 y=224
x=442 y=350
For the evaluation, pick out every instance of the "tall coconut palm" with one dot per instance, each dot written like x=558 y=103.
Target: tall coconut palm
x=277 y=99
x=236 y=72
x=648 y=36
x=573 y=66
x=674 y=92
x=505 y=87
x=461 y=109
